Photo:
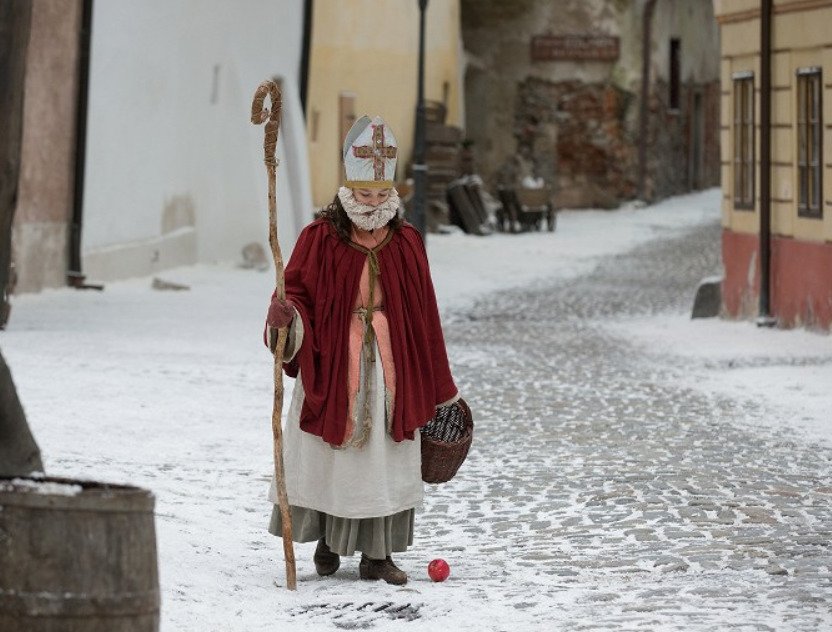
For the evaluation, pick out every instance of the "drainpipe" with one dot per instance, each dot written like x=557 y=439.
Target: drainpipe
x=304 y=56
x=764 y=318
x=647 y=21
x=420 y=169
x=74 y=276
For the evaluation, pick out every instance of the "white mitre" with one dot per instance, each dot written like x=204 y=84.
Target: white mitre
x=370 y=155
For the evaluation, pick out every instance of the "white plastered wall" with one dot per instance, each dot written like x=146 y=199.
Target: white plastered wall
x=174 y=168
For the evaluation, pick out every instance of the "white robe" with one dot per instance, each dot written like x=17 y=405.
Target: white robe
x=379 y=479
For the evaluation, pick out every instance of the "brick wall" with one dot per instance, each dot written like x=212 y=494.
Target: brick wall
x=578 y=132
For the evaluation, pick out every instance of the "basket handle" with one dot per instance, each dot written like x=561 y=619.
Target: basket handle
x=466 y=411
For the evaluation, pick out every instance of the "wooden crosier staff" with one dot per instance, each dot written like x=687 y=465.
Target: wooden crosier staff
x=260 y=115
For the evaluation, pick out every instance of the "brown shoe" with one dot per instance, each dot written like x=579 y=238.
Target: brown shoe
x=381 y=569
x=326 y=562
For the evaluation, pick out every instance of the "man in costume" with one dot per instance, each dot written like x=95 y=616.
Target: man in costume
x=366 y=346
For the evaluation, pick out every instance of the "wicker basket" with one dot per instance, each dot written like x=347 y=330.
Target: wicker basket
x=445 y=442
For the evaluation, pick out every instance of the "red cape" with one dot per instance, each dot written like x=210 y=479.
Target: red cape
x=322 y=279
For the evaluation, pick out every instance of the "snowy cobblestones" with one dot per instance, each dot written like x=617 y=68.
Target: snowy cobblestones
x=594 y=475
x=603 y=491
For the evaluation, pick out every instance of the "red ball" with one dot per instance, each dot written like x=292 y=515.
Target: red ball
x=439 y=570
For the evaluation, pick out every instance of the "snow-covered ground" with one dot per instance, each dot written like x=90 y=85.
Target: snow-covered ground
x=791 y=371
x=172 y=391
x=465 y=267
x=788 y=371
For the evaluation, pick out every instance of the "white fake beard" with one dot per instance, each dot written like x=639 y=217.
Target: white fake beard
x=368 y=217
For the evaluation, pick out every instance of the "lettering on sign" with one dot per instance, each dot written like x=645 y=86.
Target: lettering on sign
x=575 y=47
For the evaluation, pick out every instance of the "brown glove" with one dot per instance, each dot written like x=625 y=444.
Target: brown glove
x=280 y=313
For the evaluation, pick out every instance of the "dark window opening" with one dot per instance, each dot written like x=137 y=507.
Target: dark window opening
x=675 y=73
x=744 y=141
x=809 y=143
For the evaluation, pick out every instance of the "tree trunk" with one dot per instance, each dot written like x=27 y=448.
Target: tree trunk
x=19 y=453
x=15 y=20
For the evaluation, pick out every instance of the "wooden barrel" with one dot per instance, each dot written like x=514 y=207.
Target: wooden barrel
x=77 y=556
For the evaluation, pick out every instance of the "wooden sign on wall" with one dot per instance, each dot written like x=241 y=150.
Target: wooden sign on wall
x=575 y=47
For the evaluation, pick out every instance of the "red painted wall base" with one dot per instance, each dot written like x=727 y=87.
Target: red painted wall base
x=801 y=279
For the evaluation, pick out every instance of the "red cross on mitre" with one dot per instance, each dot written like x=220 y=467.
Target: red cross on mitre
x=377 y=150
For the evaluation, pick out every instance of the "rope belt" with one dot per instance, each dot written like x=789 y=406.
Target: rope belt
x=366 y=313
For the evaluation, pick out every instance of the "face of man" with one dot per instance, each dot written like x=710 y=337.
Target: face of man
x=371 y=197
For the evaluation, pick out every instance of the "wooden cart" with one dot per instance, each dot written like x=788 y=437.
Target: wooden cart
x=525 y=209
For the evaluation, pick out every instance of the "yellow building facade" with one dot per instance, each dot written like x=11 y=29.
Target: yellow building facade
x=364 y=60
x=800 y=170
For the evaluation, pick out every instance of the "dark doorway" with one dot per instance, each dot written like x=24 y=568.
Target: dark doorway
x=675 y=73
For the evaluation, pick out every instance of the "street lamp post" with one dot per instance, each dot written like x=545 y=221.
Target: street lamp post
x=420 y=169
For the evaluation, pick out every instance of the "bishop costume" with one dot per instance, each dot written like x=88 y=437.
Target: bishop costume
x=368 y=354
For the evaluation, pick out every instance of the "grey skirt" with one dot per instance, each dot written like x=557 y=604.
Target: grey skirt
x=375 y=537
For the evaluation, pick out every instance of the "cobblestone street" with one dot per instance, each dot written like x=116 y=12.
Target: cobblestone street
x=598 y=495
x=646 y=497
x=602 y=492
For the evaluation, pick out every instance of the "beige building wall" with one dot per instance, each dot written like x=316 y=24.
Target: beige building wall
x=801 y=37
x=40 y=237
x=364 y=53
